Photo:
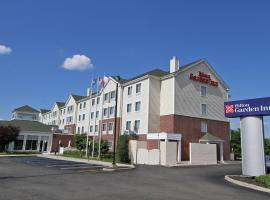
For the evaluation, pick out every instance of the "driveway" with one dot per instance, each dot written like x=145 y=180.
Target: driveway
x=23 y=180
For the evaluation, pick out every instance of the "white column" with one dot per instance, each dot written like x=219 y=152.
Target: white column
x=252 y=142
x=179 y=151
x=221 y=152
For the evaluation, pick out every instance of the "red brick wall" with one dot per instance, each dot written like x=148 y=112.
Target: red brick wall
x=71 y=128
x=64 y=141
x=190 y=128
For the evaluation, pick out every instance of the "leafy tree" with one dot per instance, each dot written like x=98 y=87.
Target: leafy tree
x=236 y=142
x=122 y=148
x=267 y=146
x=104 y=147
x=7 y=134
x=80 y=142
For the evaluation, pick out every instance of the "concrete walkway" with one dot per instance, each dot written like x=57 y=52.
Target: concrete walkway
x=96 y=162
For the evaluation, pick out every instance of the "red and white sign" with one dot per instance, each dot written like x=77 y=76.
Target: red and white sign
x=203 y=78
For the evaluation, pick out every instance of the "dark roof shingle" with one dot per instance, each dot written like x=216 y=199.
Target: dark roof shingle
x=26 y=108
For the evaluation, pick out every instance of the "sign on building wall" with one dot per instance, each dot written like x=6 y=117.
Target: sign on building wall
x=203 y=78
x=250 y=107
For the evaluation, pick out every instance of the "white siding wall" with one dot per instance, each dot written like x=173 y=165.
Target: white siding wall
x=188 y=100
x=83 y=111
x=142 y=115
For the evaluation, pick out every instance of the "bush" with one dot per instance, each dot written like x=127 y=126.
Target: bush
x=7 y=135
x=80 y=142
x=122 y=148
x=104 y=148
x=264 y=180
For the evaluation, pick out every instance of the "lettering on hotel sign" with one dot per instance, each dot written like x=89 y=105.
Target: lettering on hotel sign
x=203 y=78
x=250 y=107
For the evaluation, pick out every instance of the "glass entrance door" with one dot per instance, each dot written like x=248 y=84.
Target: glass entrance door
x=43 y=147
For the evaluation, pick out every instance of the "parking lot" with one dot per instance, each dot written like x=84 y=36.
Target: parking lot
x=27 y=178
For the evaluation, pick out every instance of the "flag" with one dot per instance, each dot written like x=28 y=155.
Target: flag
x=94 y=82
x=101 y=82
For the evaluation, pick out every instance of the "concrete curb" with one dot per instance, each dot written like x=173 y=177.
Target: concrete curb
x=247 y=185
x=18 y=155
x=96 y=162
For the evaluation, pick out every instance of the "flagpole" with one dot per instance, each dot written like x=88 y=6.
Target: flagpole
x=93 y=142
x=100 y=135
x=87 y=134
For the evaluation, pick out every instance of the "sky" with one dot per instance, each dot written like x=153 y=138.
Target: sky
x=42 y=43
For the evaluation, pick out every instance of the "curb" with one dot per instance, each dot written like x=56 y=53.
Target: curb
x=18 y=155
x=246 y=185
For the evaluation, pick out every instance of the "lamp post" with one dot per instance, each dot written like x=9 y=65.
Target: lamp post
x=115 y=126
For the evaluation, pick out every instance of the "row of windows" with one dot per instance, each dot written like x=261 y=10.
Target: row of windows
x=138 y=89
x=136 y=128
x=137 y=107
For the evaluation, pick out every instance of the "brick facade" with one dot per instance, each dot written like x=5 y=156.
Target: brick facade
x=64 y=139
x=190 y=128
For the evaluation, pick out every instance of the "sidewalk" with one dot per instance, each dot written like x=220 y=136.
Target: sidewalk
x=95 y=162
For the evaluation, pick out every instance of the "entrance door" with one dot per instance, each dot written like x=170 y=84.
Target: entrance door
x=43 y=146
x=218 y=152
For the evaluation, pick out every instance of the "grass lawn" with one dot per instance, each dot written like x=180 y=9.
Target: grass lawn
x=264 y=180
x=77 y=154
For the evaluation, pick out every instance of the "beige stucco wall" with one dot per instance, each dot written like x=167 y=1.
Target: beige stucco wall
x=203 y=153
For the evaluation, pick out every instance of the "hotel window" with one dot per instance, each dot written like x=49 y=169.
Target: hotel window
x=92 y=115
x=97 y=114
x=138 y=88
x=91 y=129
x=80 y=105
x=84 y=105
x=79 y=118
x=111 y=111
x=82 y=129
x=93 y=102
x=128 y=125
x=104 y=126
x=204 y=127
x=106 y=97
x=78 y=131
x=204 y=109
x=96 y=128
x=129 y=107
x=137 y=125
x=83 y=117
x=203 y=91
x=110 y=126
x=105 y=112
x=31 y=142
x=18 y=143
x=63 y=121
x=98 y=100
x=129 y=90
x=112 y=95
x=137 y=106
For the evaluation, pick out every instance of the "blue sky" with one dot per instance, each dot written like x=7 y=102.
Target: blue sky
x=128 y=38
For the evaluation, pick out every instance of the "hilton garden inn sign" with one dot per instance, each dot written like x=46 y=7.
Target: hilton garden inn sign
x=251 y=114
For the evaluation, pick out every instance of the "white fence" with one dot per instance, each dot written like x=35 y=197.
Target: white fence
x=203 y=153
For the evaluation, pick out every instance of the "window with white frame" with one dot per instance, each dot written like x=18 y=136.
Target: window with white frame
x=78 y=130
x=84 y=105
x=138 y=88
x=96 y=128
x=98 y=100
x=82 y=129
x=203 y=91
x=112 y=95
x=137 y=106
x=204 y=127
x=137 y=124
x=93 y=102
x=204 y=109
x=91 y=128
x=106 y=97
x=129 y=107
x=69 y=119
x=104 y=126
x=83 y=117
x=97 y=114
x=110 y=126
x=129 y=90
x=111 y=111
x=80 y=106
x=128 y=125
x=79 y=118
x=105 y=112
x=92 y=115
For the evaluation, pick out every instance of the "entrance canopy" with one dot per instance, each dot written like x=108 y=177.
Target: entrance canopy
x=209 y=138
x=164 y=136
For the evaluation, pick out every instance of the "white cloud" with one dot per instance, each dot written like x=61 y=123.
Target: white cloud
x=5 y=50
x=77 y=62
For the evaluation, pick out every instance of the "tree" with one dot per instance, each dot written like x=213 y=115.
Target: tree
x=267 y=146
x=236 y=142
x=7 y=134
x=122 y=149
x=80 y=142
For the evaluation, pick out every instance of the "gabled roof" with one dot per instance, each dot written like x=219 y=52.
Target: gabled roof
x=25 y=125
x=77 y=97
x=60 y=104
x=26 y=108
x=44 y=110
x=207 y=137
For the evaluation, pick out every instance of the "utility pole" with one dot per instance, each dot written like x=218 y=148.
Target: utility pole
x=115 y=126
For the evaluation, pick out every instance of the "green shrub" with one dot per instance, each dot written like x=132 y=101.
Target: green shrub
x=265 y=180
x=122 y=148
x=80 y=142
